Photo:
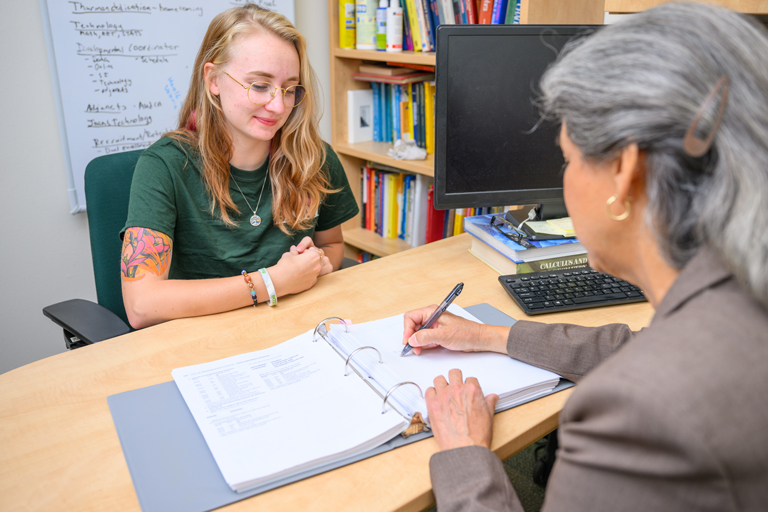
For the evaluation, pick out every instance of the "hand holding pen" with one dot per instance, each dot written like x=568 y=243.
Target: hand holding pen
x=434 y=316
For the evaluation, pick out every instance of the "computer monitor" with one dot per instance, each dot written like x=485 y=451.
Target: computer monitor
x=492 y=147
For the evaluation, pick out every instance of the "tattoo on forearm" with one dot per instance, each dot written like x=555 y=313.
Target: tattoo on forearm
x=144 y=251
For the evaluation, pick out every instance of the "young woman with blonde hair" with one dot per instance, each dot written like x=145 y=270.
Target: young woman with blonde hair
x=243 y=202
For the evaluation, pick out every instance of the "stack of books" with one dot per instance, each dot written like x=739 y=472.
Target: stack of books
x=508 y=257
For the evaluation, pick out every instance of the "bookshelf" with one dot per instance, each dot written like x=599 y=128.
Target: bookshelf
x=344 y=62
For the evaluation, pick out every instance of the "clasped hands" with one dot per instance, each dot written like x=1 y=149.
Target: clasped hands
x=459 y=414
x=299 y=268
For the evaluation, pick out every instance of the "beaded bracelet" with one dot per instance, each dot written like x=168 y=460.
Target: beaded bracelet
x=270 y=287
x=250 y=285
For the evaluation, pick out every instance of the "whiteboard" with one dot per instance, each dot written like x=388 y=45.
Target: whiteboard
x=121 y=70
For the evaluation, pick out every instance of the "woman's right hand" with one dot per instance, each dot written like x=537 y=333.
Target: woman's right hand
x=452 y=332
x=296 y=272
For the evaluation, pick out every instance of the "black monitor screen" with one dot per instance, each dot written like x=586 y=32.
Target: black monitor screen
x=492 y=148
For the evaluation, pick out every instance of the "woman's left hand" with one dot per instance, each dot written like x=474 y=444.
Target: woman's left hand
x=459 y=414
x=308 y=244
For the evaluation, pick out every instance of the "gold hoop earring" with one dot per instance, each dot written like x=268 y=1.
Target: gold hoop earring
x=621 y=217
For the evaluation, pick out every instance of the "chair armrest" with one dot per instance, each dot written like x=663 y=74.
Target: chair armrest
x=87 y=320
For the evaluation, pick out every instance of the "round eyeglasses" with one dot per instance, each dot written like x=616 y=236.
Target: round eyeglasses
x=261 y=93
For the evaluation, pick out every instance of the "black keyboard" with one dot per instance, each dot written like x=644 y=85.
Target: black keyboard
x=566 y=290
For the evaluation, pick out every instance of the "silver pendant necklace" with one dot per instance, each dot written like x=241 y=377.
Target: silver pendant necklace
x=255 y=220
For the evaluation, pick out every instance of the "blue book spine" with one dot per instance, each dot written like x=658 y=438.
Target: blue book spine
x=517 y=13
x=498 y=15
x=388 y=109
x=404 y=210
x=430 y=22
x=463 y=7
x=382 y=113
x=435 y=15
x=376 y=114
x=396 y=111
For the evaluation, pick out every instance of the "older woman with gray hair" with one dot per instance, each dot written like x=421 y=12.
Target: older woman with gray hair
x=665 y=134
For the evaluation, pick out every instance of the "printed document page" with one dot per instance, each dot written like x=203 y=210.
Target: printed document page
x=514 y=381
x=274 y=412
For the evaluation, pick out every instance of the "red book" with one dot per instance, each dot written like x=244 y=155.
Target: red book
x=486 y=10
x=471 y=12
x=435 y=218
x=431 y=69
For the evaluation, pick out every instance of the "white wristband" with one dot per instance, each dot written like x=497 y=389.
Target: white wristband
x=270 y=287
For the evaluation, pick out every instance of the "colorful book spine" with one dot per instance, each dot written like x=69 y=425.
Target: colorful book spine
x=434 y=7
x=486 y=12
x=421 y=16
x=499 y=12
x=463 y=11
x=386 y=135
x=376 y=133
x=392 y=210
x=471 y=12
x=513 y=15
x=407 y=39
x=396 y=135
x=429 y=107
x=422 y=118
x=429 y=21
x=414 y=24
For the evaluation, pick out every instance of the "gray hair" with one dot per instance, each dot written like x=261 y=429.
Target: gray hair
x=643 y=81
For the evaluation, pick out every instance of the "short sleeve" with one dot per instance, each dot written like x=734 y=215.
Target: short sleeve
x=342 y=205
x=152 y=202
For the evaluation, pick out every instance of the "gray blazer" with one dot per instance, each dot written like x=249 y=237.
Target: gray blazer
x=671 y=418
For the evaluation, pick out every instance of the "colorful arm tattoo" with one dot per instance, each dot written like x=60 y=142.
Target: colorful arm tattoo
x=144 y=251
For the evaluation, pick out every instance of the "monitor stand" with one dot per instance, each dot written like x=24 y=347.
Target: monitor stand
x=544 y=211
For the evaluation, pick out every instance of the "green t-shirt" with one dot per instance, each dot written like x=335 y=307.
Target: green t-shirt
x=168 y=195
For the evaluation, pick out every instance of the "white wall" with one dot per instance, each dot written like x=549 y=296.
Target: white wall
x=44 y=251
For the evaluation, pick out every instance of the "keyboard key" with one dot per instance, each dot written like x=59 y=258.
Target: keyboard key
x=599 y=298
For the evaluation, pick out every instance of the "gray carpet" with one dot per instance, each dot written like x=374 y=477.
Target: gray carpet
x=520 y=468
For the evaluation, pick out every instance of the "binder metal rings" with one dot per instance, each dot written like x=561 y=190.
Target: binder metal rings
x=322 y=329
x=346 y=363
x=393 y=388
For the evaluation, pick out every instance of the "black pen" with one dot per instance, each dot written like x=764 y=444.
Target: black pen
x=439 y=311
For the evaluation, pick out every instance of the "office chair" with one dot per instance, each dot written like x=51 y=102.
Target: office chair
x=107 y=190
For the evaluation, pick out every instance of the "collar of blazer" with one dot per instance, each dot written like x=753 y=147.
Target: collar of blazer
x=703 y=271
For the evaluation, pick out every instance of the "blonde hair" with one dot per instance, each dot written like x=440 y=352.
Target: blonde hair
x=297 y=154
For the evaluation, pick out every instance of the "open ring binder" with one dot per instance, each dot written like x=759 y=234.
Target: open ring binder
x=393 y=388
x=321 y=329
x=417 y=422
x=346 y=364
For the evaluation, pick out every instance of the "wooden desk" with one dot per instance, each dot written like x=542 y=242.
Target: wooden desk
x=58 y=445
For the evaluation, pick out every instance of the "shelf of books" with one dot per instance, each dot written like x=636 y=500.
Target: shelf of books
x=379 y=98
